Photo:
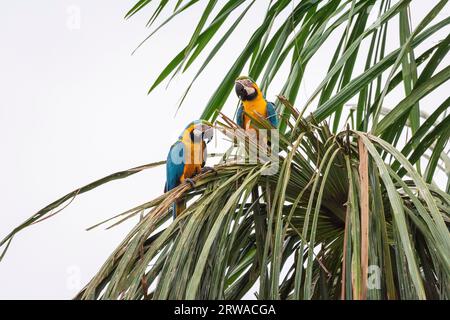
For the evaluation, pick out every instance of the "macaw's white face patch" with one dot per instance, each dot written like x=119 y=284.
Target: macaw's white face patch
x=202 y=131
x=208 y=135
x=250 y=90
x=248 y=86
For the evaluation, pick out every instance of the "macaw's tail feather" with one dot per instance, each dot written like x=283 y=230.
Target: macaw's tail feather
x=178 y=207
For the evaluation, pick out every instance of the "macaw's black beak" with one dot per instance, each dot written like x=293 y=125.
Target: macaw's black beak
x=240 y=91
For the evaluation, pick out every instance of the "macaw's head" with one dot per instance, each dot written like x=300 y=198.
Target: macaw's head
x=200 y=130
x=246 y=89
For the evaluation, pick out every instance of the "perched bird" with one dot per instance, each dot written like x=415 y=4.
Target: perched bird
x=187 y=158
x=253 y=103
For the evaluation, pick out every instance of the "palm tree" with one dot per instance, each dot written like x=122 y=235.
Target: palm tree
x=351 y=214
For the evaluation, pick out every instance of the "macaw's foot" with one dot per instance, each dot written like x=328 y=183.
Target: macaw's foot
x=208 y=169
x=191 y=182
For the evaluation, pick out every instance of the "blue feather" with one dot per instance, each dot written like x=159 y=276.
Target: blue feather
x=174 y=168
x=240 y=116
x=272 y=115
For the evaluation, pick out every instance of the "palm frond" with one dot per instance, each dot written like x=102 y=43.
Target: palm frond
x=334 y=211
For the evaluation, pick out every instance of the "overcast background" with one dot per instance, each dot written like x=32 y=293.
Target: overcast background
x=74 y=108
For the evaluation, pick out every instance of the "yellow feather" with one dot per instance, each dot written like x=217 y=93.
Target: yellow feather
x=256 y=107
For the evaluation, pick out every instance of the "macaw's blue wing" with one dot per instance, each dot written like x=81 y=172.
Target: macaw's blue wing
x=272 y=115
x=240 y=116
x=174 y=172
x=174 y=165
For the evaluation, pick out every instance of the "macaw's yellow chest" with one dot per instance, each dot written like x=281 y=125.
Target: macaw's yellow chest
x=256 y=108
x=193 y=159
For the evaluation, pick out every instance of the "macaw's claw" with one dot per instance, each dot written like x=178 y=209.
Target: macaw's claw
x=208 y=169
x=191 y=182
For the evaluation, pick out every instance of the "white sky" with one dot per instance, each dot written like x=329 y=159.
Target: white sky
x=74 y=108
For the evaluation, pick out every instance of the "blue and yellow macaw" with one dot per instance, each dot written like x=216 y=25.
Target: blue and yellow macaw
x=187 y=158
x=254 y=103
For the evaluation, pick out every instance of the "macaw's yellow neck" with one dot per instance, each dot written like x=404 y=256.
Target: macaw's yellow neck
x=193 y=155
x=258 y=103
x=256 y=108
x=187 y=140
